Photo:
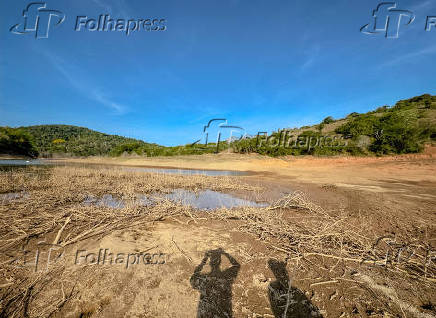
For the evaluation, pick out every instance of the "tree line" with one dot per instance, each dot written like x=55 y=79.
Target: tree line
x=403 y=128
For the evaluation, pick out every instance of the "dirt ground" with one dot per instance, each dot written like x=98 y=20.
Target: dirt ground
x=410 y=175
x=389 y=196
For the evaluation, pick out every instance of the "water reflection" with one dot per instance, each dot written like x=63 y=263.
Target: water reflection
x=106 y=200
x=20 y=162
x=203 y=200
x=210 y=200
x=188 y=172
x=6 y=197
x=37 y=162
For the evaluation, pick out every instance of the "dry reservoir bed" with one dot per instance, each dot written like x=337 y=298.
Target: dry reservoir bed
x=106 y=242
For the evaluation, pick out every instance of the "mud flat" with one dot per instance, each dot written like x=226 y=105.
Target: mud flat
x=336 y=237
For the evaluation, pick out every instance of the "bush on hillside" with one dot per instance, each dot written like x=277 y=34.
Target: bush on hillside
x=16 y=142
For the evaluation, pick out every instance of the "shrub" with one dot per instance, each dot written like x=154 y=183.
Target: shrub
x=362 y=125
x=328 y=120
x=354 y=114
x=398 y=133
x=17 y=142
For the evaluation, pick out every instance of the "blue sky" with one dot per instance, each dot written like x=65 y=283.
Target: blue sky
x=262 y=65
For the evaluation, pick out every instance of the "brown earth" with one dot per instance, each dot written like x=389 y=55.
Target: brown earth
x=377 y=174
x=392 y=196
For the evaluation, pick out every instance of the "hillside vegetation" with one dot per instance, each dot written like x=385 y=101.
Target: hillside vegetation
x=17 y=142
x=403 y=128
x=64 y=140
x=78 y=141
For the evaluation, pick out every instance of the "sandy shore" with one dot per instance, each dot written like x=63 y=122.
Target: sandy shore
x=343 y=206
x=370 y=172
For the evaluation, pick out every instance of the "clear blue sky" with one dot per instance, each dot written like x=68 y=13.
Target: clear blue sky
x=262 y=65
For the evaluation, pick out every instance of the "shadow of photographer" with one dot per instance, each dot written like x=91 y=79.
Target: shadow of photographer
x=215 y=287
x=285 y=300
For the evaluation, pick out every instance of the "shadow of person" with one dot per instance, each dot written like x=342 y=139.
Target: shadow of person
x=216 y=286
x=287 y=301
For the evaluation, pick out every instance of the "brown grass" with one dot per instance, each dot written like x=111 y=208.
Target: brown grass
x=54 y=212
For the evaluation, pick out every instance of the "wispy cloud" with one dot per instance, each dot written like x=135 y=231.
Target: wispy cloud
x=91 y=91
x=103 y=99
x=104 y=5
x=308 y=63
x=312 y=56
x=409 y=56
x=117 y=7
x=423 y=5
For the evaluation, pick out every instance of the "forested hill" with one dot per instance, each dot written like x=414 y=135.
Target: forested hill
x=63 y=140
x=76 y=141
x=403 y=128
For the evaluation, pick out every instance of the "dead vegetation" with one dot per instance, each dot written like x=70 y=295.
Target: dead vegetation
x=345 y=249
x=50 y=208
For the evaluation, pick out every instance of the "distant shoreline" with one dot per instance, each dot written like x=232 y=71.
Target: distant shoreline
x=338 y=169
x=15 y=157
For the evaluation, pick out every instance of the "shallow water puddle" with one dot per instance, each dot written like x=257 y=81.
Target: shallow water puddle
x=106 y=200
x=203 y=200
x=20 y=162
x=187 y=172
x=4 y=197
x=17 y=163
x=210 y=200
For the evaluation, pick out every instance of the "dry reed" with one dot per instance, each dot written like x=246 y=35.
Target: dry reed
x=50 y=208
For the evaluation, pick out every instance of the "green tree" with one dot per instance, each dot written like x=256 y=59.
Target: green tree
x=17 y=142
